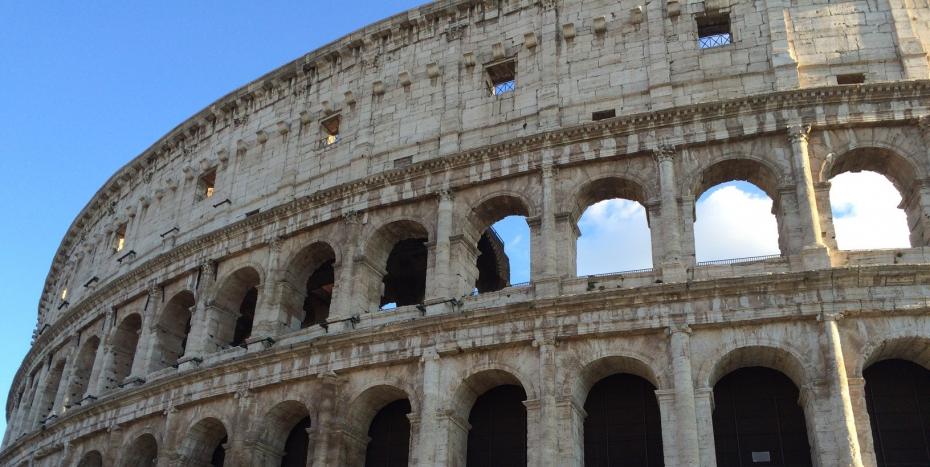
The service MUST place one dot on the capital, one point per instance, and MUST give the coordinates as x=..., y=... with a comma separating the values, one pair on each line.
x=276, y=243
x=445, y=194
x=798, y=133
x=923, y=123
x=675, y=328
x=664, y=153
x=353, y=217
x=549, y=170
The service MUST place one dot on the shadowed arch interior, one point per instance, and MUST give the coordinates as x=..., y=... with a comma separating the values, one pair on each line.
x=238, y=296
x=52, y=381
x=757, y=420
x=143, y=452
x=123, y=350
x=311, y=275
x=389, y=436
x=400, y=247
x=83, y=366
x=91, y=459
x=285, y=431
x=623, y=426
x=498, y=428
x=172, y=330
x=898, y=401
x=204, y=442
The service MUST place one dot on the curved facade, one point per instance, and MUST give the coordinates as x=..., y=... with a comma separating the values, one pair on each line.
x=221, y=298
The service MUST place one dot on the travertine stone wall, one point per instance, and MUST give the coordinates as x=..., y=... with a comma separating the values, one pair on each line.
x=425, y=151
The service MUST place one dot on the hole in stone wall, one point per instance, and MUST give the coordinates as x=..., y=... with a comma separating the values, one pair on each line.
x=502, y=77
x=714, y=30
x=850, y=78
x=206, y=185
x=330, y=128
x=119, y=238
x=603, y=114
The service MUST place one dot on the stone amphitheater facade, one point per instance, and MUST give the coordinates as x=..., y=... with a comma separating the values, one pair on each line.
x=219, y=298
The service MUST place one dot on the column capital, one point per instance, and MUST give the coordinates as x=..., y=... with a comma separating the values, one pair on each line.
x=664, y=153
x=825, y=316
x=675, y=328
x=798, y=133
x=923, y=123
x=353, y=217
x=445, y=194
x=276, y=243
x=549, y=170
x=429, y=355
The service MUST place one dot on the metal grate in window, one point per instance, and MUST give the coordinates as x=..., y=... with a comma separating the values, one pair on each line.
x=715, y=40
x=505, y=87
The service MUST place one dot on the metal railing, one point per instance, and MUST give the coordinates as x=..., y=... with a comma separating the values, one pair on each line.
x=747, y=259
x=629, y=271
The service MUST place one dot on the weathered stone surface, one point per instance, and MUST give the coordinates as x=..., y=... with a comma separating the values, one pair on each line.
x=392, y=134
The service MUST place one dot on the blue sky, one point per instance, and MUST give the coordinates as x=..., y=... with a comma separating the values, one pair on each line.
x=87, y=86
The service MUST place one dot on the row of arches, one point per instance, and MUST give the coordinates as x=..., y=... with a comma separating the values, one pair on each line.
x=757, y=420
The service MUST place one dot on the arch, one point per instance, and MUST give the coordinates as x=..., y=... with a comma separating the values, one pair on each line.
x=142, y=452
x=397, y=253
x=172, y=330
x=237, y=295
x=50, y=391
x=123, y=346
x=905, y=347
x=367, y=403
x=284, y=431
x=204, y=442
x=389, y=436
x=492, y=268
x=745, y=168
x=623, y=425
x=311, y=276
x=896, y=395
x=597, y=189
x=484, y=378
x=498, y=434
x=762, y=354
x=757, y=418
x=875, y=157
x=82, y=372
x=600, y=368
x=91, y=459
x=495, y=206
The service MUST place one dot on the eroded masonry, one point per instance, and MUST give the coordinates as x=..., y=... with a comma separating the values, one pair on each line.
x=304, y=274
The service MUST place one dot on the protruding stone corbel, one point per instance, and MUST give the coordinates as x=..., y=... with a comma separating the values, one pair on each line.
x=568, y=31
x=468, y=59
x=349, y=98
x=600, y=25
x=636, y=14
x=327, y=107
x=673, y=8
x=305, y=117
x=241, y=146
x=222, y=155
x=188, y=172
x=377, y=88
x=283, y=127
x=432, y=70
x=403, y=78
x=497, y=51
x=529, y=40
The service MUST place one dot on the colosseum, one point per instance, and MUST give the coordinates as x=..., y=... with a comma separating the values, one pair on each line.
x=303, y=272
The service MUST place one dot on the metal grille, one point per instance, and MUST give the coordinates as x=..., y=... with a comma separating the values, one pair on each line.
x=505, y=87
x=715, y=40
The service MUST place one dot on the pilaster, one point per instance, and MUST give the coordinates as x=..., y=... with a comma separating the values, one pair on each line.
x=814, y=254
x=847, y=442
x=686, y=432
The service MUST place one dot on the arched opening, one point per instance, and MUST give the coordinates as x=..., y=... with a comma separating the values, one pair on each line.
x=123, y=350
x=389, y=436
x=866, y=190
x=237, y=300
x=284, y=437
x=757, y=420
x=401, y=248
x=143, y=452
x=49, y=392
x=614, y=227
x=501, y=235
x=498, y=428
x=83, y=367
x=737, y=212
x=898, y=401
x=319, y=294
x=623, y=427
x=310, y=278
x=205, y=443
x=297, y=444
x=172, y=331
x=91, y=459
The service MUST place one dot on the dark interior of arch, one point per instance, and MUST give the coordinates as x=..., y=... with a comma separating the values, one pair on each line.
x=246, y=316
x=82, y=369
x=319, y=294
x=493, y=263
x=219, y=453
x=898, y=401
x=756, y=415
x=405, y=280
x=143, y=453
x=174, y=328
x=124, y=349
x=498, y=428
x=390, y=436
x=91, y=459
x=51, y=388
x=623, y=426
x=295, y=448
x=746, y=170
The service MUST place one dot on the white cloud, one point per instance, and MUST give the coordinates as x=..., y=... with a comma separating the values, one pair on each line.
x=614, y=237
x=735, y=221
x=865, y=213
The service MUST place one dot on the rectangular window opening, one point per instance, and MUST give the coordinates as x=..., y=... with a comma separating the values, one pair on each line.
x=330, y=130
x=603, y=114
x=850, y=78
x=119, y=240
x=207, y=184
x=714, y=30
x=502, y=77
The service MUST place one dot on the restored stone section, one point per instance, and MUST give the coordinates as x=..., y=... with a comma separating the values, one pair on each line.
x=221, y=296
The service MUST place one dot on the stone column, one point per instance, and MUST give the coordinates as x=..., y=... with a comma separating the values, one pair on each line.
x=668, y=418
x=686, y=433
x=328, y=436
x=270, y=319
x=669, y=224
x=35, y=409
x=198, y=337
x=567, y=239
x=438, y=285
x=67, y=376
x=547, y=282
x=431, y=441
x=704, y=413
x=814, y=254
x=827, y=231
x=239, y=452
x=659, y=67
x=863, y=421
x=847, y=442
x=98, y=379
x=687, y=212
x=148, y=335
x=345, y=302
x=543, y=425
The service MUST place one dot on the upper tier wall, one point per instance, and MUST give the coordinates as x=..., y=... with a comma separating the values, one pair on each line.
x=414, y=88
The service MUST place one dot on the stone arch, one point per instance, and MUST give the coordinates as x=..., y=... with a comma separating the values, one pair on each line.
x=484, y=378
x=172, y=330
x=496, y=205
x=760, y=172
x=600, y=368
x=202, y=441
x=776, y=357
x=364, y=411
x=488, y=266
x=50, y=391
x=82, y=371
x=599, y=188
x=470, y=404
x=396, y=259
x=91, y=459
x=142, y=452
x=123, y=345
x=276, y=428
x=912, y=348
x=309, y=281
x=237, y=296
